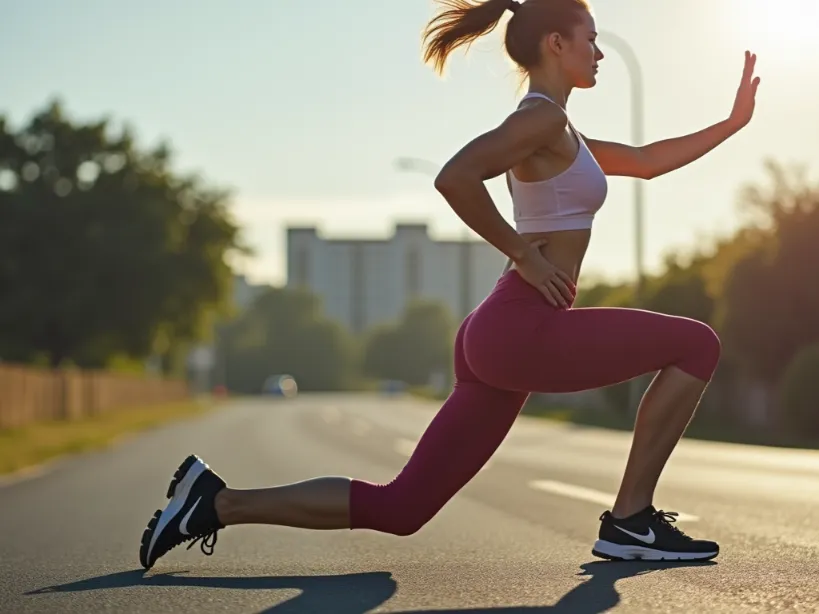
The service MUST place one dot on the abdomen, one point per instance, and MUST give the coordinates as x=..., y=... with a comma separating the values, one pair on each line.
x=565, y=249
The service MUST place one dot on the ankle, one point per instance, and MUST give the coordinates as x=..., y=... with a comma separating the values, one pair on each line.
x=225, y=504
x=627, y=509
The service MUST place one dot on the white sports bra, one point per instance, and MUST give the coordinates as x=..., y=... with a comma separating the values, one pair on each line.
x=567, y=201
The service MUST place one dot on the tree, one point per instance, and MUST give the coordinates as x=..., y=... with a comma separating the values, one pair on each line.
x=769, y=306
x=104, y=250
x=799, y=394
x=285, y=331
x=414, y=348
x=681, y=290
x=604, y=294
x=384, y=353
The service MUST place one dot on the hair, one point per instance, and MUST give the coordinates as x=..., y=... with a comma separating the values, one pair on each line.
x=462, y=22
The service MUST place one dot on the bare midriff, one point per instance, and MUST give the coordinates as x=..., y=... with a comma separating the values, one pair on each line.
x=565, y=249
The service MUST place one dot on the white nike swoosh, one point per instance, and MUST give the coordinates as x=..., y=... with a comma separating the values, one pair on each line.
x=183, y=526
x=648, y=538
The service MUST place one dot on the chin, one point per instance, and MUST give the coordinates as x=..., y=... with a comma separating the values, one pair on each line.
x=585, y=84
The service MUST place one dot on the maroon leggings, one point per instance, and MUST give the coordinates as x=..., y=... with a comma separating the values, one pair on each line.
x=512, y=344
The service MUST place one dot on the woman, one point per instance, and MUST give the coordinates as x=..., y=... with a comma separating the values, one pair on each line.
x=525, y=337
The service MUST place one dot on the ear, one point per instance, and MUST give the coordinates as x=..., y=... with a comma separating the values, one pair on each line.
x=555, y=43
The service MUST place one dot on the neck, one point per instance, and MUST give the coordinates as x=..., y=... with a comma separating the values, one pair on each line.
x=552, y=86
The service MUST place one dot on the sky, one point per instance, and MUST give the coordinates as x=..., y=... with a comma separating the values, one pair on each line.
x=302, y=107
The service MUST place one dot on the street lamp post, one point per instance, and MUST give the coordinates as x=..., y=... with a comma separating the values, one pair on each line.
x=629, y=56
x=626, y=51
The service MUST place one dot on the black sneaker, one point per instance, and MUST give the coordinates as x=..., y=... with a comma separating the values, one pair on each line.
x=190, y=514
x=649, y=536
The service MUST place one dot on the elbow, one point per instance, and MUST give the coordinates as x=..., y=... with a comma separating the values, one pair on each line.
x=443, y=182
x=645, y=165
x=657, y=171
x=648, y=173
x=448, y=181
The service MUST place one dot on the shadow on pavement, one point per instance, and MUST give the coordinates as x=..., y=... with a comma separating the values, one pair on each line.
x=594, y=596
x=360, y=593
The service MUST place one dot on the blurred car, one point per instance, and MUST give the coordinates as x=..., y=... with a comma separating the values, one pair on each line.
x=392, y=387
x=282, y=385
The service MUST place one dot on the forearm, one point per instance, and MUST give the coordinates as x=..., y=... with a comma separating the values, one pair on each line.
x=470, y=200
x=670, y=154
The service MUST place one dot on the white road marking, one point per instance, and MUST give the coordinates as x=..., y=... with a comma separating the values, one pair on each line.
x=588, y=494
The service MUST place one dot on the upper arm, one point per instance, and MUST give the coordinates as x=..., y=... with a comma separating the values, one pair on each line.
x=619, y=158
x=519, y=136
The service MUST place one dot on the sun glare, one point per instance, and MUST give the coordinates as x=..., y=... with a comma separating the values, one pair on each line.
x=779, y=28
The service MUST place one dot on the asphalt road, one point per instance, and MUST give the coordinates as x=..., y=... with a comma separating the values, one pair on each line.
x=517, y=539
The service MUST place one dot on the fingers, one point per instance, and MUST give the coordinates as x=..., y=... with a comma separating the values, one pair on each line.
x=547, y=293
x=750, y=63
x=554, y=293
x=566, y=284
x=564, y=289
x=559, y=288
x=557, y=292
x=566, y=278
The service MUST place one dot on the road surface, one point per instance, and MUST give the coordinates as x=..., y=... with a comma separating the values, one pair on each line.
x=516, y=539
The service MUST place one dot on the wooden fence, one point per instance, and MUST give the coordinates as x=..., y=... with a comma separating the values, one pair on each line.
x=31, y=395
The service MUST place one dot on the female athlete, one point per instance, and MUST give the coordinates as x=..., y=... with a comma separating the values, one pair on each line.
x=525, y=336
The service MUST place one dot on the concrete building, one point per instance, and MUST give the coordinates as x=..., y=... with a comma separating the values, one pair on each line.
x=364, y=282
x=244, y=292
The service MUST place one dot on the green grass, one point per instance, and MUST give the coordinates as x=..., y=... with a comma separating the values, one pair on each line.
x=34, y=444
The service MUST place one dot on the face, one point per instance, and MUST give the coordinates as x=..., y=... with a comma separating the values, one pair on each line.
x=578, y=56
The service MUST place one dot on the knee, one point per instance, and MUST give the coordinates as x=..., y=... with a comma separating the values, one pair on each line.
x=402, y=519
x=406, y=525
x=402, y=511
x=706, y=349
x=389, y=508
x=710, y=343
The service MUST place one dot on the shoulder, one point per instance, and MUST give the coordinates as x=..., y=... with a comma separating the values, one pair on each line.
x=537, y=120
x=525, y=131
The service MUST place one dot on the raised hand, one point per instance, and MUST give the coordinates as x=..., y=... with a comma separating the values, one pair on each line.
x=745, y=101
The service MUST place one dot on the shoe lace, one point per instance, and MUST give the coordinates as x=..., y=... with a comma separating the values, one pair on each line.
x=208, y=541
x=666, y=518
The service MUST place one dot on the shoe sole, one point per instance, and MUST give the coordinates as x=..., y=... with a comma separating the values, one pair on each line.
x=178, y=491
x=620, y=552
